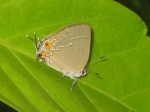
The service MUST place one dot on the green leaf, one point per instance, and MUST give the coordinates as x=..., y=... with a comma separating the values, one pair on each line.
x=117, y=33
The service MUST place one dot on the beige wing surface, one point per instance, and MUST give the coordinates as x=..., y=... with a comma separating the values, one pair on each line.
x=70, y=48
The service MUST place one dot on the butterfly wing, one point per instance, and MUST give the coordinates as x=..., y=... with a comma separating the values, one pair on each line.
x=70, y=48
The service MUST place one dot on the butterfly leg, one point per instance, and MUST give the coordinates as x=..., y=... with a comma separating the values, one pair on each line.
x=60, y=78
x=74, y=82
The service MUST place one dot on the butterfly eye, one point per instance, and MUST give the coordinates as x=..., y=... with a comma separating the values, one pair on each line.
x=48, y=45
x=42, y=54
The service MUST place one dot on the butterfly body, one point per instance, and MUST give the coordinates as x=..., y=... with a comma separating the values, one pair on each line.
x=66, y=50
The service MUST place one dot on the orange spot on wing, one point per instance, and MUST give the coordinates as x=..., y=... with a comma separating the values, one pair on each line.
x=43, y=54
x=48, y=45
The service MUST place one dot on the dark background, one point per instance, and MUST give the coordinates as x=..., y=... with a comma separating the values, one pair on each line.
x=140, y=7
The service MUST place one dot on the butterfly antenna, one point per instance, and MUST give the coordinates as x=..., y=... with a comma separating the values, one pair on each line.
x=103, y=58
x=95, y=73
